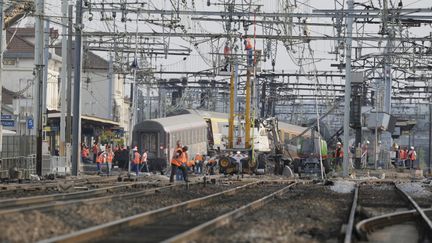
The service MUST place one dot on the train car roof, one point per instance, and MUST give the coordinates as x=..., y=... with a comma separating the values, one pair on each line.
x=210, y=114
x=296, y=130
x=172, y=123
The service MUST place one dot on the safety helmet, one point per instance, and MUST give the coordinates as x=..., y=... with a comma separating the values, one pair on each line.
x=338, y=143
x=412, y=147
x=238, y=152
x=135, y=148
x=367, y=142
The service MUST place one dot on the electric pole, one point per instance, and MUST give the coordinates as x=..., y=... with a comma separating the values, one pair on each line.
x=348, y=77
x=63, y=78
x=2, y=36
x=39, y=67
x=76, y=126
x=69, y=76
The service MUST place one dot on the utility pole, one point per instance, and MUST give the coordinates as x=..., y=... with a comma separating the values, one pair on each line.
x=39, y=46
x=2, y=36
x=232, y=111
x=76, y=126
x=348, y=77
x=430, y=131
x=110, y=88
x=63, y=78
x=69, y=76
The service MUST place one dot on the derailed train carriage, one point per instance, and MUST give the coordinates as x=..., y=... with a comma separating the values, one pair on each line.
x=204, y=132
x=159, y=137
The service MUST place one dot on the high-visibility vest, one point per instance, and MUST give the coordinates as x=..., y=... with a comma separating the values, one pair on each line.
x=178, y=161
x=137, y=158
x=403, y=154
x=412, y=155
x=248, y=44
x=341, y=153
x=110, y=156
x=99, y=159
x=190, y=163
x=185, y=157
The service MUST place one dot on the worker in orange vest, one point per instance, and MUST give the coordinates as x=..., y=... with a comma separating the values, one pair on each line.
x=249, y=51
x=99, y=161
x=403, y=155
x=339, y=154
x=179, y=161
x=144, y=161
x=412, y=156
x=136, y=160
x=109, y=156
x=95, y=150
x=199, y=163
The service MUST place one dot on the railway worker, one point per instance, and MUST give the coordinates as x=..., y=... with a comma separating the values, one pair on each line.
x=84, y=154
x=198, y=163
x=95, y=150
x=403, y=156
x=178, y=161
x=99, y=161
x=211, y=164
x=249, y=50
x=144, y=161
x=109, y=156
x=412, y=156
x=136, y=160
x=238, y=157
x=339, y=154
x=227, y=53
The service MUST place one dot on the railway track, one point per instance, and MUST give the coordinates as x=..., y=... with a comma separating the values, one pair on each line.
x=376, y=207
x=53, y=187
x=183, y=221
x=25, y=202
x=75, y=215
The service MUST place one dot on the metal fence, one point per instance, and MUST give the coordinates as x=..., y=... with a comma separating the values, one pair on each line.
x=57, y=165
x=20, y=167
x=18, y=146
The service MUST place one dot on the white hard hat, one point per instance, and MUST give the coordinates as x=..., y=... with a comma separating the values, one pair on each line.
x=367, y=141
x=379, y=141
x=338, y=143
x=135, y=148
x=238, y=152
x=412, y=147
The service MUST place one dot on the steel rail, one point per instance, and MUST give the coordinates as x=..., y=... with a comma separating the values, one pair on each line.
x=350, y=226
x=368, y=225
x=226, y=218
x=6, y=188
x=419, y=210
x=56, y=205
x=96, y=232
x=34, y=200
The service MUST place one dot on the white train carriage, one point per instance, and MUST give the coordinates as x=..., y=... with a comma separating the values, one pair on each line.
x=159, y=137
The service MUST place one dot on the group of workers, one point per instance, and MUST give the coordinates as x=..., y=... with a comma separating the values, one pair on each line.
x=139, y=161
x=404, y=157
x=180, y=163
